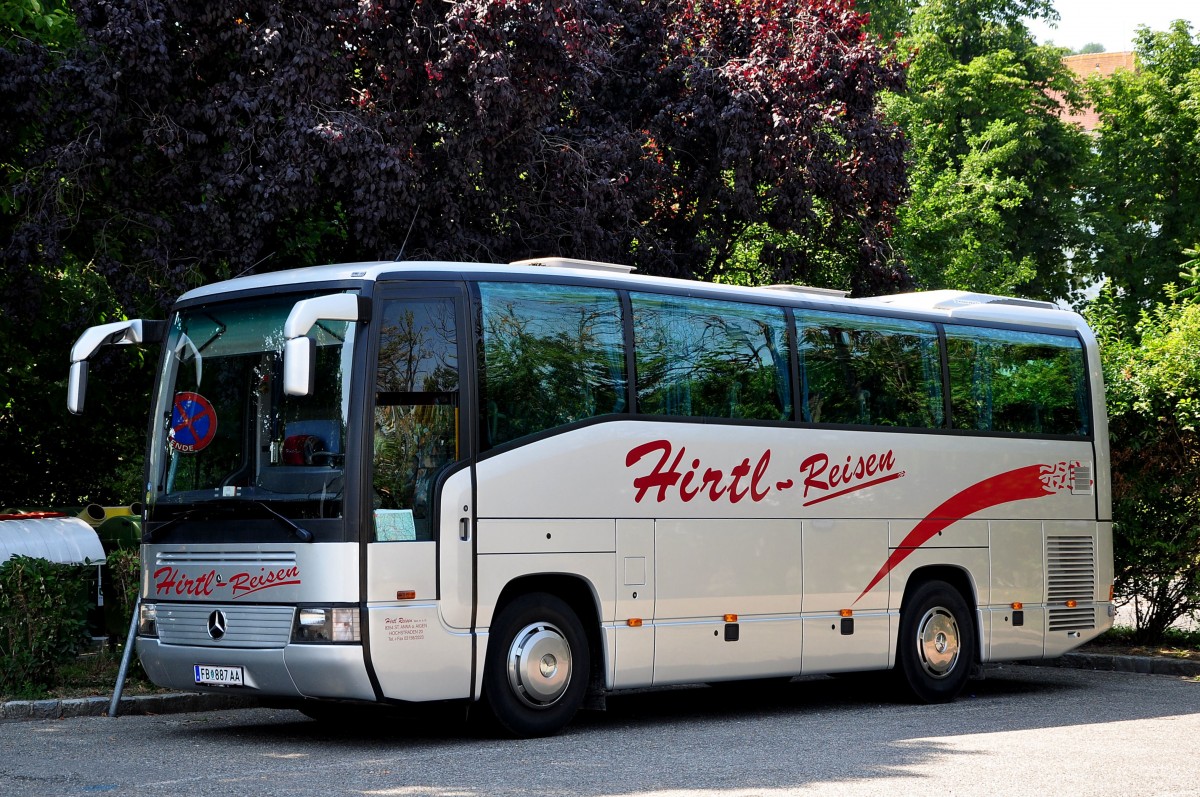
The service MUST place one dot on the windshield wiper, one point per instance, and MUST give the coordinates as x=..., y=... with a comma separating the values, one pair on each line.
x=188, y=514
x=304, y=535
x=148, y=534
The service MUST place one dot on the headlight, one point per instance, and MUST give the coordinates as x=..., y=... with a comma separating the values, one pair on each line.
x=322, y=624
x=148, y=620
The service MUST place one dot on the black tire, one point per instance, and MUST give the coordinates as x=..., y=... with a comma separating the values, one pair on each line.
x=936, y=647
x=537, y=667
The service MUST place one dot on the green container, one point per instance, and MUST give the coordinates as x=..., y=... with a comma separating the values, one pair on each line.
x=121, y=532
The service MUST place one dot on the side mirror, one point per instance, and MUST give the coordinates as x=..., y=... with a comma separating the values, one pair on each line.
x=77, y=387
x=298, y=355
x=300, y=350
x=118, y=333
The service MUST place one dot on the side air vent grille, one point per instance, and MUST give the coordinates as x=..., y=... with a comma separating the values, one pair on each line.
x=1077, y=619
x=226, y=558
x=1071, y=585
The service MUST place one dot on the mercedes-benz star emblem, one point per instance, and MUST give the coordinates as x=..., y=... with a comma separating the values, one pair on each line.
x=217, y=623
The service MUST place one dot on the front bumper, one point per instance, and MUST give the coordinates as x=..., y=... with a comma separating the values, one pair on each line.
x=309, y=671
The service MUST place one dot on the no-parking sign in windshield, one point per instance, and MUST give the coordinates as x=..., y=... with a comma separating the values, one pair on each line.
x=193, y=423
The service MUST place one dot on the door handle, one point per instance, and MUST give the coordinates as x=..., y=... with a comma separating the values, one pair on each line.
x=464, y=529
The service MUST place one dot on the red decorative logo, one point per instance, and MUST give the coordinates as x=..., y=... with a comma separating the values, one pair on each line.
x=172, y=581
x=245, y=583
x=688, y=479
x=690, y=483
x=1031, y=481
x=852, y=475
x=823, y=478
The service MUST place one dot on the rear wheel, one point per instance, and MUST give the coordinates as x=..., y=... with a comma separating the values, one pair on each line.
x=937, y=643
x=538, y=666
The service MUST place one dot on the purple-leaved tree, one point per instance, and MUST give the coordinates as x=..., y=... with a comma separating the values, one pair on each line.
x=169, y=143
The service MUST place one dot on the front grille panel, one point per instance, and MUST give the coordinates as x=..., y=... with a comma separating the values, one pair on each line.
x=246, y=626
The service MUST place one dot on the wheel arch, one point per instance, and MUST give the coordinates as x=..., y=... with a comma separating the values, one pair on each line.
x=957, y=577
x=579, y=593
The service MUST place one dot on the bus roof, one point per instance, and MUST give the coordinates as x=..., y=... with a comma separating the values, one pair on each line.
x=947, y=305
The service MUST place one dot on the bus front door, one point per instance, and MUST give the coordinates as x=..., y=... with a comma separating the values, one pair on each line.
x=419, y=582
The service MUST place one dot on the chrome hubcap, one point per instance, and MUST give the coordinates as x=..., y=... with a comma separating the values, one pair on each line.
x=938, y=642
x=539, y=665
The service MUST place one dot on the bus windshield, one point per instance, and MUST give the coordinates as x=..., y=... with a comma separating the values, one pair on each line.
x=225, y=432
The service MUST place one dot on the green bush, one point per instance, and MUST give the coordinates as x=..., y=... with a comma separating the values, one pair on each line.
x=1152, y=377
x=120, y=590
x=43, y=621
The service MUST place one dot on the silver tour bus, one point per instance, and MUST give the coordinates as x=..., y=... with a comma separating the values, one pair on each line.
x=521, y=487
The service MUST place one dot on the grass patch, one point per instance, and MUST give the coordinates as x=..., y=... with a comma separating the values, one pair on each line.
x=1119, y=640
x=91, y=674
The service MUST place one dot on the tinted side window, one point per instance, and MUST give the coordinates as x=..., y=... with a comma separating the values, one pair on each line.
x=416, y=414
x=552, y=354
x=1025, y=382
x=706, y=358
x=859, y=369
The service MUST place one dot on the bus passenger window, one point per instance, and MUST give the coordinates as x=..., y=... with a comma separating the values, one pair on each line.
x=711, y=359
x=416, y=415
x=552, y=355
x=1017, y=382
x=868, y=371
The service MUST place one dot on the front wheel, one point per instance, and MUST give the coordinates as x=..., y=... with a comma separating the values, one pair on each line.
x=538, y=665
x=937, y=643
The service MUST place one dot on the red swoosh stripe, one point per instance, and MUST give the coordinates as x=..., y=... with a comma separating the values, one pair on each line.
x=1014, y=485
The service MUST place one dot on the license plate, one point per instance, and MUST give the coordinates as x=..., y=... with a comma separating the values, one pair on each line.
x=218, y=676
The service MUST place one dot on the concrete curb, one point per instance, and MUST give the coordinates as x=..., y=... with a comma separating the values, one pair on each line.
x=189, y=701
x=142, y=704
x=1145, y=665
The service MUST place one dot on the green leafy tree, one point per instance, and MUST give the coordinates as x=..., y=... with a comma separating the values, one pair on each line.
x=45, y=22
x=1145, y=206
x=993, y=170
x=52, y=458
x=1190, y=274
x=888, y=18
x=1152, y=373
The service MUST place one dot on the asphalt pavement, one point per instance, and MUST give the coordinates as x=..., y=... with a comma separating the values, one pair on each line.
x=1021, y=732
x=189, y=701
